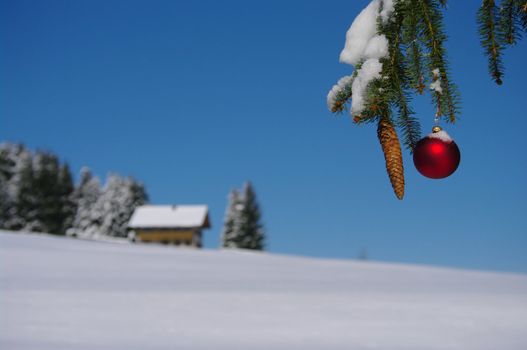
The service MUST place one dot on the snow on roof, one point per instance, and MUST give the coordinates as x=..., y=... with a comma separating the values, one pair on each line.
x=170, y=216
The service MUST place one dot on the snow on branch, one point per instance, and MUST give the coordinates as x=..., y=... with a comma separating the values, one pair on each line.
x=436, y=83
x=340, y=94
x=364, y=48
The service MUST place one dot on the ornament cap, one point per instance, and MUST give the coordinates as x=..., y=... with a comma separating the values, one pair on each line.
x=436, y=128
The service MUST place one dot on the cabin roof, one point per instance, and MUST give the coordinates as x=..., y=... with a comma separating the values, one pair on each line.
x=170, y=216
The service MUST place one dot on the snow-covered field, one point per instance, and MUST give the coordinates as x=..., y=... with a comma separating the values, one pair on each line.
x=60, y=293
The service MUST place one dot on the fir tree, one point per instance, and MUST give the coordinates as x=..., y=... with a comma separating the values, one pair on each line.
x=67, y=202
x=242, y=226
x=86, y=221
x=4, y=200
x=26, y=204
x=231, y=220
x=47, y=191
x=139, y=196
x=251, y=227
x=5, y=165
x=117, y=203
x=14, y=158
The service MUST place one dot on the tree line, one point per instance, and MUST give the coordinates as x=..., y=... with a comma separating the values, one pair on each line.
x=38, y=194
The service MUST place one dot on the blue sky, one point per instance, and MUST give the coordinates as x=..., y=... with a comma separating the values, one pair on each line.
x=194, y=98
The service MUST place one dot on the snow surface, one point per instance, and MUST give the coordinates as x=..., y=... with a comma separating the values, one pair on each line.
x=62, y=293
x=151, y=216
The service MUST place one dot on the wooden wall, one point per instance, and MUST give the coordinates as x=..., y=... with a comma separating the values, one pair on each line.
x=184, y=237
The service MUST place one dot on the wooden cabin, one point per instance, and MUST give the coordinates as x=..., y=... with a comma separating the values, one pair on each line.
x=169, y=224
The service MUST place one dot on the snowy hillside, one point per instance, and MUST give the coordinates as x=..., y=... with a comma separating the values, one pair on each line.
x=60, y=293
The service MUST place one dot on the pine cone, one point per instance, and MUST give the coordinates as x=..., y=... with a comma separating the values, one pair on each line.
x=392, y=154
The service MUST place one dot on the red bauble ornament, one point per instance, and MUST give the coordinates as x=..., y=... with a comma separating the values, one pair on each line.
x=436, y=155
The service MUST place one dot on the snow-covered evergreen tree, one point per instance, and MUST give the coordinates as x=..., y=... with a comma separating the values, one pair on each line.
x=37, y=194
x=4, y=180
x=4, y=198
x=14, y=158
x=30, y=186
x=139, y=196
x=251, y=226
x=68, y=206
x=26, y=203
x=47, y=192
x=86, y=221
x=117, y=203
x=231, y=221
x=243, y=227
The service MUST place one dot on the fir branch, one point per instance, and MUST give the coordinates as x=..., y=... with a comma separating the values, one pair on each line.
x=433, y=38
x=488, y=17
x=341, y=99
x=410, y=126
x=411, y=38
x=339, y=95
x=397, y=83
x=509, y=23
x=521, y=8
x=377, y=103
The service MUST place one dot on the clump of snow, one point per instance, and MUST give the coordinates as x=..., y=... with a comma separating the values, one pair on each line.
x=387, y=10
x=436, y=84
x=370, y=70
x=364, y=45
x=363, y=28
x=442, y=135
x=377, y=47
x=332, y=94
